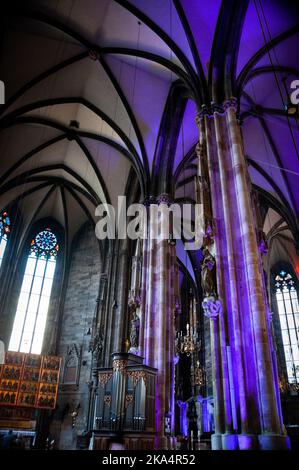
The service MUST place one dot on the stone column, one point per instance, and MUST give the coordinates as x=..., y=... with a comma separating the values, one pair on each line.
x=159, y=314
x=242, y=330
x=271, y=436
x=96, y=347
x=212, y=310
x=143, y=296
x=213, y=226
x=183, y=418
x=150, y=302
x=119, y=307
x=226, y=178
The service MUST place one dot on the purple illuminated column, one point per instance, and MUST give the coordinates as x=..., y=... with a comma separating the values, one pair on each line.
x=183, y=418
x=212, y=310
x=228, y=204
x=159, y=315
x=271, y=436
x=143, y=296
x=210, y=176
x=247, y=410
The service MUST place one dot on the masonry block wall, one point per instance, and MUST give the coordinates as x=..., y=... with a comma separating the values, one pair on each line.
x=79, y=307
x=11, y=301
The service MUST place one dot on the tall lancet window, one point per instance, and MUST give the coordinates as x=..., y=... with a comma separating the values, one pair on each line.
x=288, y=309
x=30, y=320
x=4, y=232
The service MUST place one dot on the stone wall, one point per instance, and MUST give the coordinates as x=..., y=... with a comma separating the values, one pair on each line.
x=80, y=300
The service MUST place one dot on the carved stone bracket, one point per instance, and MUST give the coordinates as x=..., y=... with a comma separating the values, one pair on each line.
x=212, y=307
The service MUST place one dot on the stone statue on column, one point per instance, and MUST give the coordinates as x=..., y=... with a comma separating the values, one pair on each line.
x=208, y=274
x=134, y=300
x=96, y=347
x=134, y=333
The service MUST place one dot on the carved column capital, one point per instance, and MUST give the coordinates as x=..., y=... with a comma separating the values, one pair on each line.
x=164, y=199
x=231, y=103
x=205, y=111
x=149, y=200
x=212, y=307
x=217, y=108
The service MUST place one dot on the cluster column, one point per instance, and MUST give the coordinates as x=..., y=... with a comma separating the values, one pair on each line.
x=247, y=411
x=158, y=314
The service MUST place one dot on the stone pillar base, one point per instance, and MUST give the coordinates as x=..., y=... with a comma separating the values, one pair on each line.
x=248, y=441
x=161, y=443
x=171, y=442
x=230, y=442
x=274, y=442
x=216, y=441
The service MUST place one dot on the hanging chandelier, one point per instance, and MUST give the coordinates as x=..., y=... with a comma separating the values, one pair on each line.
x=186, y=344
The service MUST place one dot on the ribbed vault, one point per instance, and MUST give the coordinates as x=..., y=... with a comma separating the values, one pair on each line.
x=93, y=94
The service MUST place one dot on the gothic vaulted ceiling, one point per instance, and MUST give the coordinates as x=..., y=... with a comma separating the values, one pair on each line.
x=87, y=83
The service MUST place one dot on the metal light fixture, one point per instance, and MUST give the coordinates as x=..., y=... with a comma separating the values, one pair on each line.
x=198, y=374
x=186, y=344
x=291, y=109
x=74, y=415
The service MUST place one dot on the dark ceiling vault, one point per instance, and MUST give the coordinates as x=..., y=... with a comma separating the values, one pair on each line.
x=133, y=91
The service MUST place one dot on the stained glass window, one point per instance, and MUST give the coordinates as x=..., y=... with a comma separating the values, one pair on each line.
x=30, y=320
x=4, y=232
x=288, y=309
